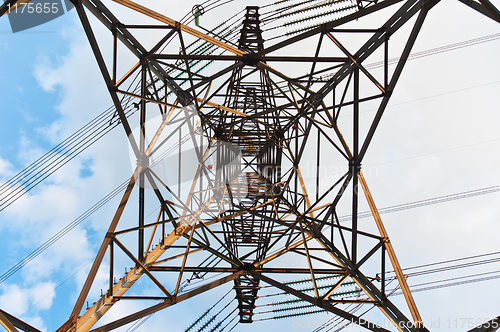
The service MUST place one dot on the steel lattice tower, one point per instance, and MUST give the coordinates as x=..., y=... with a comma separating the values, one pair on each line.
x=250, y=211
x=248, y=235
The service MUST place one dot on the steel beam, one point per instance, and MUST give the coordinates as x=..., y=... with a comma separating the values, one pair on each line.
x=397, y=72
x=264, y=131
x=104, y=15
x=6, y=323
x=387, y=307
x=162, y=18
x=489, y=10
x=102, y=250
x=143, y=313
x=11, y=322
x=391, y=252
x=322, y=304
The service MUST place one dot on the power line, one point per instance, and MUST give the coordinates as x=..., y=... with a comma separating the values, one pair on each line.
x=60, y=155
x=449, y=261
x=426, y=202
x=421, y=287
x=441, y=49
x=63, y=232
x=120, y=188
x=98, y=127
x=81, y=218
x=83, y=138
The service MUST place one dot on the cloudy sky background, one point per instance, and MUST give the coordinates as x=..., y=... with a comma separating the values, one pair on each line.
x=439, y=136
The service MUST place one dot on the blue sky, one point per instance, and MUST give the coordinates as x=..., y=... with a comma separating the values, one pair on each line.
x=27, y=108
x=50, y=86
x=19, y=88
x=32, y=123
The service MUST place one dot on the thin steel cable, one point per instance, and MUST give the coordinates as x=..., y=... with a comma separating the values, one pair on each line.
x=71, y=276
x=426, y=202
x=454, y=267
x=43, y=167
x=20, y=190
x=433, y=51
x=79, y=219
x=62, y=232
x=60, y=155
x=223, y=320
x=431, y=271
x=455, y=278
x=449, y=261
x=232, y=319
x=425, y=53
x=139, y=323
x=414, y=289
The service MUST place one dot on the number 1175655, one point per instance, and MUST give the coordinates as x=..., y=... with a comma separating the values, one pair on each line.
x=31, y=8
x=471, y=322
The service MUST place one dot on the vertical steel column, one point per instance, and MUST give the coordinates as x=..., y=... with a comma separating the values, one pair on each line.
x=382, y=280
x=355, y=167
x=102, y=250
x=115, y=55
x=111, y=267
x=179, y=166
x=317, y=164
x=246, y=230
x=143, y=162
x=386, y=61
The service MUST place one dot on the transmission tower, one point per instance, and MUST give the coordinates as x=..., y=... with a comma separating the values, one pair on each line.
x=254, y=205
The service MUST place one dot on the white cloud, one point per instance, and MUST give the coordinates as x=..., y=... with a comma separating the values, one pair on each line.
x=43, y=295
x=47, y=78
x=407, y=131
x=6, y=170
x=56, y=202
x=18, y=301
x=29, y=151
x=14, y=299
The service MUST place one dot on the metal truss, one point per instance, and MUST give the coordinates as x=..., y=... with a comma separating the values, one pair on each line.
x=255, y=206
